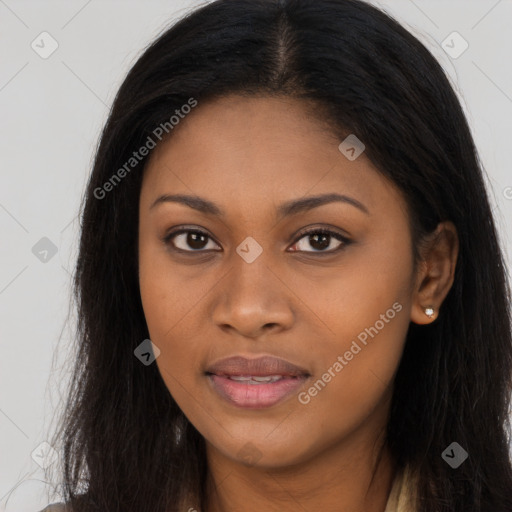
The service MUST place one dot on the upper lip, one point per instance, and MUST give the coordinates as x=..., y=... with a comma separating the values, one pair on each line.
x=259, y=367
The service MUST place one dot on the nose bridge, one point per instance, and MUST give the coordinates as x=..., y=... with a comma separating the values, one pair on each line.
x=251, y=296
x=250, y=279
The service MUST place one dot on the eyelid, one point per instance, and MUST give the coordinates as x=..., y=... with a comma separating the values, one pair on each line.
x=302, y=233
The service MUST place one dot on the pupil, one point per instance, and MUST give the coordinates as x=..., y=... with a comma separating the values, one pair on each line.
x=193, y=240
x=323, y=244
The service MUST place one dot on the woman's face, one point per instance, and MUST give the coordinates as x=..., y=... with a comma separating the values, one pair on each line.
x=251, y=283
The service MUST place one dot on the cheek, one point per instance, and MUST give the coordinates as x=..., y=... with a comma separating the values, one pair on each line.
x=166, y=292
x=356, y=295
x=366, y=308
x=354, y=378
x=164, y=309
x=170, y=330
x=170, y=298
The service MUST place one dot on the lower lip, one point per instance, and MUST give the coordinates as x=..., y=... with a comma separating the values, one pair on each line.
x=255, y=396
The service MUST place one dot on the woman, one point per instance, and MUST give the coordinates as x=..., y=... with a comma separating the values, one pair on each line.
x=290, y=288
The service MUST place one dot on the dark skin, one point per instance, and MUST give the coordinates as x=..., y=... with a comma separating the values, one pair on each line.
x=248, y=156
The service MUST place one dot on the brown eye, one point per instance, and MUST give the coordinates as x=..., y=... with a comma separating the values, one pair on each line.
x=189, y=240
x=319, y=240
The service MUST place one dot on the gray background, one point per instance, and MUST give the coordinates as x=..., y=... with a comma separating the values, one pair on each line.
x=52, y=111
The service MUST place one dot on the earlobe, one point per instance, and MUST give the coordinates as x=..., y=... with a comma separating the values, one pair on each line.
x=436, y=273
x=425, y=315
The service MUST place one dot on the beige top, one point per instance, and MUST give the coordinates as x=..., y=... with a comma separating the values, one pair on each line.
x=400, y=497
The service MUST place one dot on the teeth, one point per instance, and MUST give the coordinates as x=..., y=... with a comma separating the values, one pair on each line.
x=256, y=380
x=268, y=378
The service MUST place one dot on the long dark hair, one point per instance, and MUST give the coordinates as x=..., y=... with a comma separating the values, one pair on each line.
x=126, y=444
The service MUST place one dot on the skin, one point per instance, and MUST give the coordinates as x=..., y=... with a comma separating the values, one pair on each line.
x=249, y=155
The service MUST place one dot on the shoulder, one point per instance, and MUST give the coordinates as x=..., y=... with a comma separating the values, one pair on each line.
x=56, y=507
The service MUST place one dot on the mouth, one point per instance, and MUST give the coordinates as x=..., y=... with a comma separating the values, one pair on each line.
x=253, y=393
x=255, y=383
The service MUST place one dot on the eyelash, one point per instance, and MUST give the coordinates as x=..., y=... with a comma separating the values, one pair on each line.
x=167, y=239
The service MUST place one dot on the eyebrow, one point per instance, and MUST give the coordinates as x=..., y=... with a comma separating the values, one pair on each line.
x=287, y=209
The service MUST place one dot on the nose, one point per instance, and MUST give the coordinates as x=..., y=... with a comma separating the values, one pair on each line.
x=252, y=300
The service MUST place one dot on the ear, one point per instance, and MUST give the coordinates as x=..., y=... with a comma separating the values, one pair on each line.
x=436, y=272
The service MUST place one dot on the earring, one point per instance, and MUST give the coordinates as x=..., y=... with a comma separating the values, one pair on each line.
x=429, y=311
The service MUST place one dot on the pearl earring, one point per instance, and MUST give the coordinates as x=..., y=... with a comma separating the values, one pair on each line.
x=429, y=311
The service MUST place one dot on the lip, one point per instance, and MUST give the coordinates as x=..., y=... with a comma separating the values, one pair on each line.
x=260, y=367
x=249, y=394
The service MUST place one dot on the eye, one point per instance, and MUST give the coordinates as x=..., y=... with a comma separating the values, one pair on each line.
x=320, y=239
x=196, y=240
x=188, y=240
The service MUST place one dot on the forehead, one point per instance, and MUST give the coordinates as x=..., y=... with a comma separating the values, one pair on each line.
x=261, y=149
